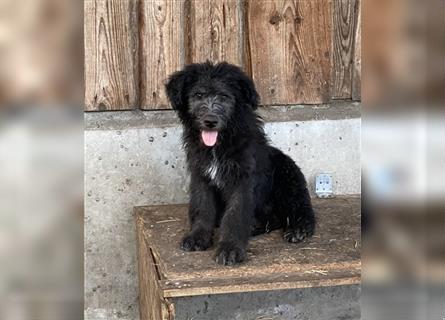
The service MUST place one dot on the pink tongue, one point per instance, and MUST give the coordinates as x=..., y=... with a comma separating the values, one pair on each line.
x=209, y=137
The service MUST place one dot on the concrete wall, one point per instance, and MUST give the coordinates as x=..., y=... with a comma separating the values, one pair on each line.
x=323, y=303
x=136, y=158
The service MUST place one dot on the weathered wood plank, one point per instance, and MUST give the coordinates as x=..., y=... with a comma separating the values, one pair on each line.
x=357, y=73
x=111, y=54
x=152, y=305
x=319, y=278
x=344, y=17
x=215, y=31
x=162, y=48
x=290, y=49
x=331, y=257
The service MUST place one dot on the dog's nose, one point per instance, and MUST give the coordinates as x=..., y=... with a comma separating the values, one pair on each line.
x=210, y=123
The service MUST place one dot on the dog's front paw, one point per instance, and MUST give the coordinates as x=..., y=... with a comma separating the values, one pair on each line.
x=229, y=254
x=197, y=241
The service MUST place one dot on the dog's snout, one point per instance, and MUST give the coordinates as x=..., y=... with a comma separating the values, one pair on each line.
x=210, y=123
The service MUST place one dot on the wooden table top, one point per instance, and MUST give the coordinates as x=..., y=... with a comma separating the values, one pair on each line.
x=330, y=257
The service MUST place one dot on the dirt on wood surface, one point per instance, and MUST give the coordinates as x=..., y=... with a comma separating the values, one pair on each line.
x=330, y=257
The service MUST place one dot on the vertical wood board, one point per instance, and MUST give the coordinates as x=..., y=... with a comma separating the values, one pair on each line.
x=290, y=49
x=162, y=48
x=111, y=54
x=344, y=33
x=214, y=31
x=357, y=71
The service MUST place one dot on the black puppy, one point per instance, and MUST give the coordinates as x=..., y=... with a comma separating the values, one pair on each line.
x=238, y=181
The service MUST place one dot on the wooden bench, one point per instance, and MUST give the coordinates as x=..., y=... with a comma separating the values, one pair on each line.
x=168, y=275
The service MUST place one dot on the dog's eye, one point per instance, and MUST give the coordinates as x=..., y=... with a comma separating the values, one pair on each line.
x=198, y=95
x=224, y=96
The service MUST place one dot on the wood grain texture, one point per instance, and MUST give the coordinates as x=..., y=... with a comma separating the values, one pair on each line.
x=214, y=31
x=331, y=257
x=320, y=278
x=357, y=71
x=344, y=17
x=152, y=305
x=290, y=49
x=111, y=54
x=162, y=48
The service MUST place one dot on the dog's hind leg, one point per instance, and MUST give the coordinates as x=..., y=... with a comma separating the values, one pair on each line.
x=265, y=221
x=291, y=199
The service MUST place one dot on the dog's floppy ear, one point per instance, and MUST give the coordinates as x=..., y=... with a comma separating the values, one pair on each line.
x=248, y=91
x=175, y=90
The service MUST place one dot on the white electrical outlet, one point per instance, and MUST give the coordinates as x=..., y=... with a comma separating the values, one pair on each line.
x=323, y=185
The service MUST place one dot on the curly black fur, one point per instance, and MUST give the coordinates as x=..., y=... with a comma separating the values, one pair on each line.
x=239, y=182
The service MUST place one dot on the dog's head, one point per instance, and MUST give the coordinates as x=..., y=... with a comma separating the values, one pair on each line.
x=207, y=97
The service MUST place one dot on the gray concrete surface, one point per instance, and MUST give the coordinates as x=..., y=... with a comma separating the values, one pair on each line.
x=136, y=158
x=330, y=303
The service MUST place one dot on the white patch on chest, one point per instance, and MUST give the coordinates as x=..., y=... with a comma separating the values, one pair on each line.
x=212, y=170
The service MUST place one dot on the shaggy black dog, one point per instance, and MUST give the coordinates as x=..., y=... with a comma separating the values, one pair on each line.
x=238, y=181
